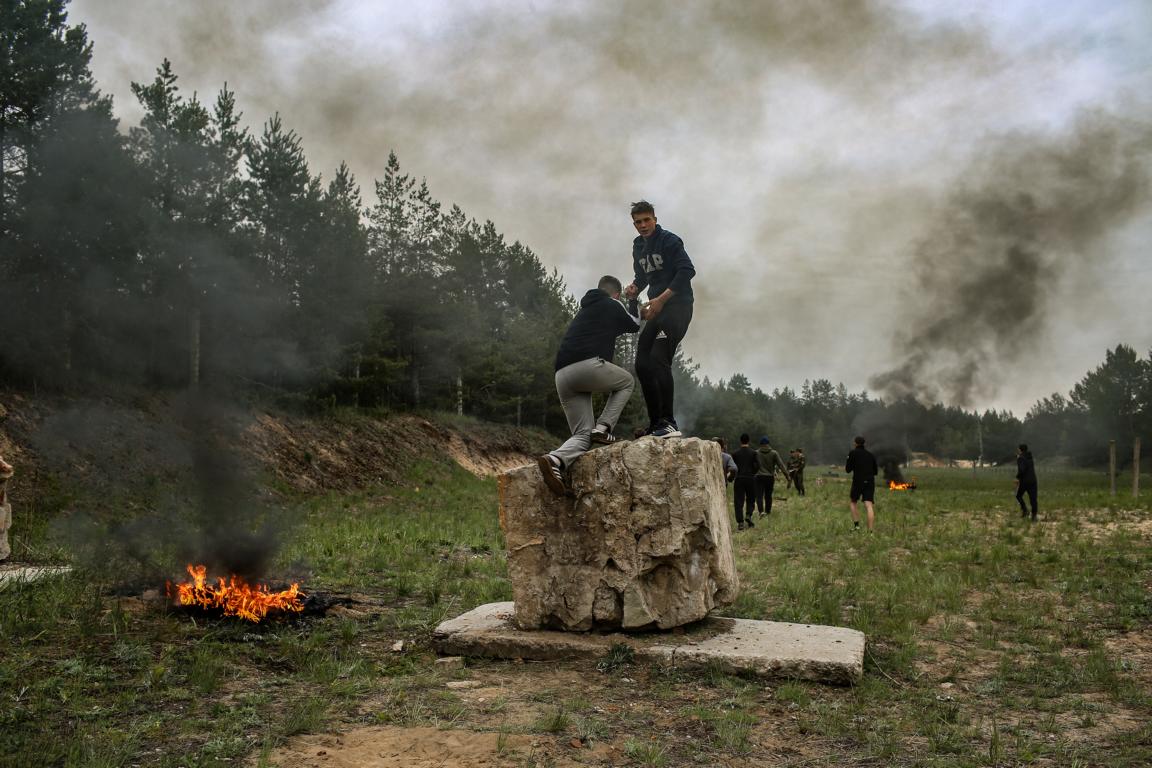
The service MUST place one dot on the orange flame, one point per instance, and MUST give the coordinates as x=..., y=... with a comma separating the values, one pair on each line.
x=234, y=597
x=895, y=486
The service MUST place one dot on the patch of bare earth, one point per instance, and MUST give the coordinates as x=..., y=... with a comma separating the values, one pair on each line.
x=1128, y=521
x=423, y=747
x=507, y=718
x=1134, y=652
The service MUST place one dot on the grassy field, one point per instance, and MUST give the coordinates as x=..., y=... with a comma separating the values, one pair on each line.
x=991, y=642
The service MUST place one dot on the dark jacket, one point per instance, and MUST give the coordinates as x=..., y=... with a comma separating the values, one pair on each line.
x=593, y=332
x=660, y=262
x=769, y=461
x=1026, y=469
x=747, y=461
x=862, y=464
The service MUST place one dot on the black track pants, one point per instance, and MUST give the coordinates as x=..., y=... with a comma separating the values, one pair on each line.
x=655, y=350
x=744, y=490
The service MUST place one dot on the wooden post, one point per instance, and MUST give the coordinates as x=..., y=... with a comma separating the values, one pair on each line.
x=1136, y=468
x=1112, y=466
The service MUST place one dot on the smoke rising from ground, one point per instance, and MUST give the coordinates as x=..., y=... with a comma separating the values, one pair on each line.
x=176, y=467
x=1030, y=212
x=798, y=148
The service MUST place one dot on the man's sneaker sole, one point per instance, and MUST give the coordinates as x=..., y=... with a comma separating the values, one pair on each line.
x=663, y=433
x=552, y=477
x=603, y=438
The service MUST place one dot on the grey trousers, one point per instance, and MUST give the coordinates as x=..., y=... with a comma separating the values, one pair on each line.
x=576, y=384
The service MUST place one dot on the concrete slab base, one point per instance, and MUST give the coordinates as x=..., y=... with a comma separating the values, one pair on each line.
x=766, y=648
x=10, y=573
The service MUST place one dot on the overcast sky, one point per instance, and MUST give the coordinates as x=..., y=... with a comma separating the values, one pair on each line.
x=950, y=199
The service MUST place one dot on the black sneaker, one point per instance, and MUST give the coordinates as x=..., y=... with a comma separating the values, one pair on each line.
x=749, y=523
x=667, y=429
x=740, y=527
x=603, y=436
x=550, y=469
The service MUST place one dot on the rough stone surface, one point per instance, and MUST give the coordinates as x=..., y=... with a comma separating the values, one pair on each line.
x=5, y=524
x=769, y=649
x=5, y=509
x=12, y=574
x=643, y=542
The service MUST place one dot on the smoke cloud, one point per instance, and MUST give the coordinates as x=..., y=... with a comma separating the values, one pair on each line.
x=798, y=148
x=1029, y=214
x=177, y=468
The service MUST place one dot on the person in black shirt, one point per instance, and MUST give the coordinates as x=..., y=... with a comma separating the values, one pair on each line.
x=584, y=366
x=744, y=487
x=1025, y=480
x=862, y=464
x=660, y=264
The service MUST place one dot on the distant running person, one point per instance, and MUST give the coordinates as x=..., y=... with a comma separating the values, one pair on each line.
x=1026, y=480
x=862, y=464
x=744, y=488
x=661, y=265
x=770, y=461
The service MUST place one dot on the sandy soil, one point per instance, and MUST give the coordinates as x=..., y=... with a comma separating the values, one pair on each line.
x=425, y=747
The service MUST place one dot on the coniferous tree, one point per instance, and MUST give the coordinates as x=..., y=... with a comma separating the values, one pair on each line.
x=68, y=210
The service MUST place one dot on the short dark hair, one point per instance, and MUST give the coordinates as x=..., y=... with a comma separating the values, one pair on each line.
x=643, y=206
x=610, y=284
x=720, y=441
x=744, y=439
x=859, y=440
x=1023, y=447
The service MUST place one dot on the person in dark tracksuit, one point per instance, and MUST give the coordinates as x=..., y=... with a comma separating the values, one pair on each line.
x=770, y=461
x=862, y=464
x=744, y=487
x=796, y=464
x=583, y=367
x=661, y=265
x=1025, y=480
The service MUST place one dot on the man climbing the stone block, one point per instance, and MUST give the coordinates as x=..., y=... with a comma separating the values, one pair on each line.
x=660, y=264
x=584, y=367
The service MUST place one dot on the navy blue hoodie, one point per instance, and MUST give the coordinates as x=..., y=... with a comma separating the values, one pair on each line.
x=660, y=262
x=593, y=332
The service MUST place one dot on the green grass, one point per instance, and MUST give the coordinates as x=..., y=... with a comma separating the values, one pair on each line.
x=991, y=641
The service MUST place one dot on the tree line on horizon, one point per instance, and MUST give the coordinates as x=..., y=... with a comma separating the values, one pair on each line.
x=190, y=252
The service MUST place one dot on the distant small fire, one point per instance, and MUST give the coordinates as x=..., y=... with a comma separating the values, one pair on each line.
x=234, y=596
x=895, y=486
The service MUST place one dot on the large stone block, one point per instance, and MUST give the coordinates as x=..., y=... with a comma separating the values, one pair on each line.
x=643, y=543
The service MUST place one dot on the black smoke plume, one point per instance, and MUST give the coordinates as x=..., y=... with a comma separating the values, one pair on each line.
x=1031, y=214
x=158, y=487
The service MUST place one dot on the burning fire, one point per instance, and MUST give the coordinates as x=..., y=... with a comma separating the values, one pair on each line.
x=895, y=486
x=234, y=596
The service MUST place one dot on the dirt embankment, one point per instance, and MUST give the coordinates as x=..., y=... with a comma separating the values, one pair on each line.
x=106, y=445
x=349, y=453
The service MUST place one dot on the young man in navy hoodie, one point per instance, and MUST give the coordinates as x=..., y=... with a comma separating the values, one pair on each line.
x=662, y=266
x=584, y=366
